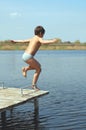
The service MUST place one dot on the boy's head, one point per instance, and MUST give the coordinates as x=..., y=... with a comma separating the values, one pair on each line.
x=39, y=30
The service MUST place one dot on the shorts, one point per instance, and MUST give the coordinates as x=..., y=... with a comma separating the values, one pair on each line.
x=26, y=56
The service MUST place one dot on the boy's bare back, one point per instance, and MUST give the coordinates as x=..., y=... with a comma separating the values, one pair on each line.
x=33, y=46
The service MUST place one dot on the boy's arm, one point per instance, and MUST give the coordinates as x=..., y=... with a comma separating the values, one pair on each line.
x=21, y=41
x=48, y=41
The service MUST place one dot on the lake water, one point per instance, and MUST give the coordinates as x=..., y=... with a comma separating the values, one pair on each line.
x=63, y=75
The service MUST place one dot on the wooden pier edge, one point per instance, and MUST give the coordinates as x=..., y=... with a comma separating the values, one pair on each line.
x=12, y=97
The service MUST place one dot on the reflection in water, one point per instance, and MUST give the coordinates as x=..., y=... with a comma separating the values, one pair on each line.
x=3, y=120
x=35, y=121
x=36, y=114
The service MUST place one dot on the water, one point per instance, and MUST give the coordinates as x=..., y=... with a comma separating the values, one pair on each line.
x=63, y=75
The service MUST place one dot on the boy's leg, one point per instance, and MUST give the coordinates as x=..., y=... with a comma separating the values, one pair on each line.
x=34, y=64
x=25, y=69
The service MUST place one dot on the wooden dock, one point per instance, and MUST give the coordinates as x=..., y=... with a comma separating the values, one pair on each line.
x=11, y=97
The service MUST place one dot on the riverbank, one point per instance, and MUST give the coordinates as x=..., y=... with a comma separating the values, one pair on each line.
x=19, y=46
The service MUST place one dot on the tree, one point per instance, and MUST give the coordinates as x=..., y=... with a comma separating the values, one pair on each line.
x=77, y=42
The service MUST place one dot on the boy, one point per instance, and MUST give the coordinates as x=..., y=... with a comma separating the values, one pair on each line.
x=28, y=56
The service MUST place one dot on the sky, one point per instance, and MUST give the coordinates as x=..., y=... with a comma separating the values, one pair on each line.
x=64, y=19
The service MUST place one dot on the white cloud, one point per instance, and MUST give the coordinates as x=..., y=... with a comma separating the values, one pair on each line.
x=15, y=14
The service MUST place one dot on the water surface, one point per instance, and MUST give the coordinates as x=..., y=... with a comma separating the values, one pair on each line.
x=63, y=75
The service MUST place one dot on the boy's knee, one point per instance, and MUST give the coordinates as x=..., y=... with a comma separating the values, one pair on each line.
x=39, y=69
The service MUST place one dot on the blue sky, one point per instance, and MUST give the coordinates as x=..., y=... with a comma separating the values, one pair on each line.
x=64, y=19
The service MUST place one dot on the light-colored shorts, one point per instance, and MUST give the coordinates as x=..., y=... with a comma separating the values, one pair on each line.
x=26, y=56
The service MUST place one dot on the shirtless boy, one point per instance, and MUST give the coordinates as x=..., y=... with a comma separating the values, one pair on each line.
x=28, y=56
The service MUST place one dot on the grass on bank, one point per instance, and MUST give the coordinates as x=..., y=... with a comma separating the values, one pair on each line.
x=18, y=46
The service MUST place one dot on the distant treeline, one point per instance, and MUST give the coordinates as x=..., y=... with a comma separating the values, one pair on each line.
x=67, y=45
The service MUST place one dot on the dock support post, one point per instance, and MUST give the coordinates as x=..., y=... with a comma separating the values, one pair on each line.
x=3, y=119
x=36, y=113
x=36, y=105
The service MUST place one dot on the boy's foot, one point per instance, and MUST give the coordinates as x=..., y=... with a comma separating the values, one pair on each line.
x=24, y=72
x=35, y=87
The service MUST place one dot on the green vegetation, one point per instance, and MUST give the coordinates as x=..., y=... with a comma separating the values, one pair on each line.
x=77, y=45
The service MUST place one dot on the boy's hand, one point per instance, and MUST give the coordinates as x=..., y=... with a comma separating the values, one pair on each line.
x=56, y=40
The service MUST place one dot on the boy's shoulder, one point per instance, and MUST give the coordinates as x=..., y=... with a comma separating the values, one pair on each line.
x=37, y=38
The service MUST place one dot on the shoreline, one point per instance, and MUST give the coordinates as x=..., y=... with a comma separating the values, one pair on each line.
x=19, y=46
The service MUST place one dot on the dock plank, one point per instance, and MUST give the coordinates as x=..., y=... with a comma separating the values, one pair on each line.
x=10, y=97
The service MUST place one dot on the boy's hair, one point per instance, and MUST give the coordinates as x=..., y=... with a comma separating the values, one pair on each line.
x=38, y=30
